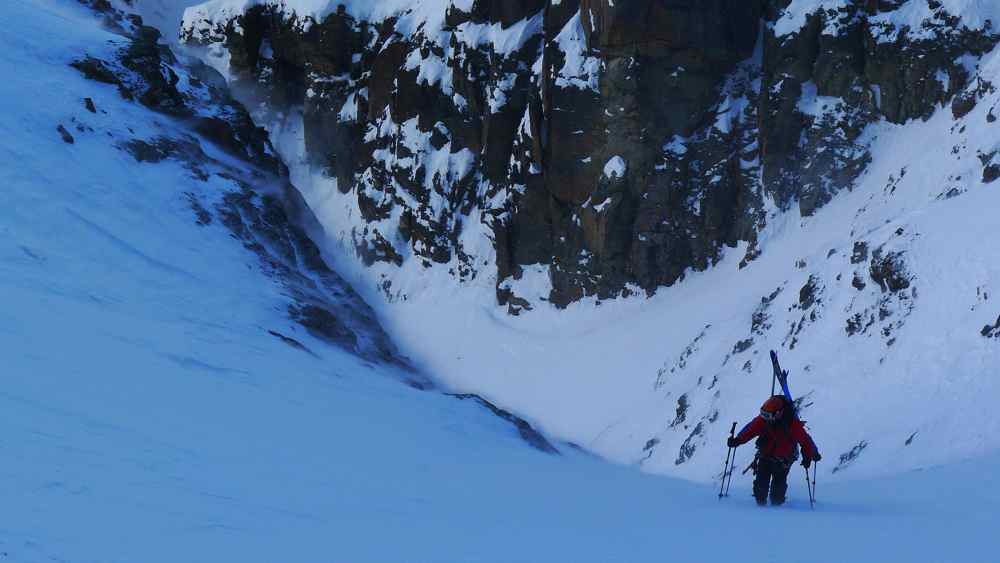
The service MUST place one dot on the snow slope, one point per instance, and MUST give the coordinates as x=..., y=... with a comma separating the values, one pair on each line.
x=147, y=415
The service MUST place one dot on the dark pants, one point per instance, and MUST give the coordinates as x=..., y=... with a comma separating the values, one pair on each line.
x=771, y=474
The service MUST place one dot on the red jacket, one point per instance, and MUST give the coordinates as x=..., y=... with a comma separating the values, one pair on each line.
x=779, y=440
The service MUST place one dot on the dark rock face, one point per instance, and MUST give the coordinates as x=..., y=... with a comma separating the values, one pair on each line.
x=65, y=135
x=991, y=331
x=618, y=143
x=889, y=271
x=846, y=459
x=147, y=72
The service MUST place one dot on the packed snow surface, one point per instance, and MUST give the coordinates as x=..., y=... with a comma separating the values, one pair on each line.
x=147, y=414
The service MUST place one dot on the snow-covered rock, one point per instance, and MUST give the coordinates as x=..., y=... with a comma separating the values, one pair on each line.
x=615, y=167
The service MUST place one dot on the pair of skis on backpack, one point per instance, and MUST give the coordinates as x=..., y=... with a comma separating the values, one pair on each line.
x=781, y=377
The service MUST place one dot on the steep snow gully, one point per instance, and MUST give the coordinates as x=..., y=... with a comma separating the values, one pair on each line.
x=172, y=390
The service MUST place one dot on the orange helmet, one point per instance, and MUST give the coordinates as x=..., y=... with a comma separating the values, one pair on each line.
x=773, y=408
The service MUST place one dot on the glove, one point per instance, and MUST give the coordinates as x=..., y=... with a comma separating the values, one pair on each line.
x=732, y=442
x=817, y=457
x=806, y=462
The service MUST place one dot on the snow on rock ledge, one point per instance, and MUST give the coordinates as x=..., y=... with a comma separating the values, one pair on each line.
x=615, y=167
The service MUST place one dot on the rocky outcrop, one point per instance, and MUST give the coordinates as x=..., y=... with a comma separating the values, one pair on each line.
x=617, y=144
x=260, y=208
x=527, y=433
x=991, y=331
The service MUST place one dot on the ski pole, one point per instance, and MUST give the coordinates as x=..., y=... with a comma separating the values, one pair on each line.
x=815, y=471
x=725, y=469
x=732, y=467
x=809, y=487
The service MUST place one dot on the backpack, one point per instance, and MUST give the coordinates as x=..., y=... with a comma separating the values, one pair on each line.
x=783, y=425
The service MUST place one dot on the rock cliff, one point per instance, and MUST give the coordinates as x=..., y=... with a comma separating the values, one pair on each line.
x=615, y=145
